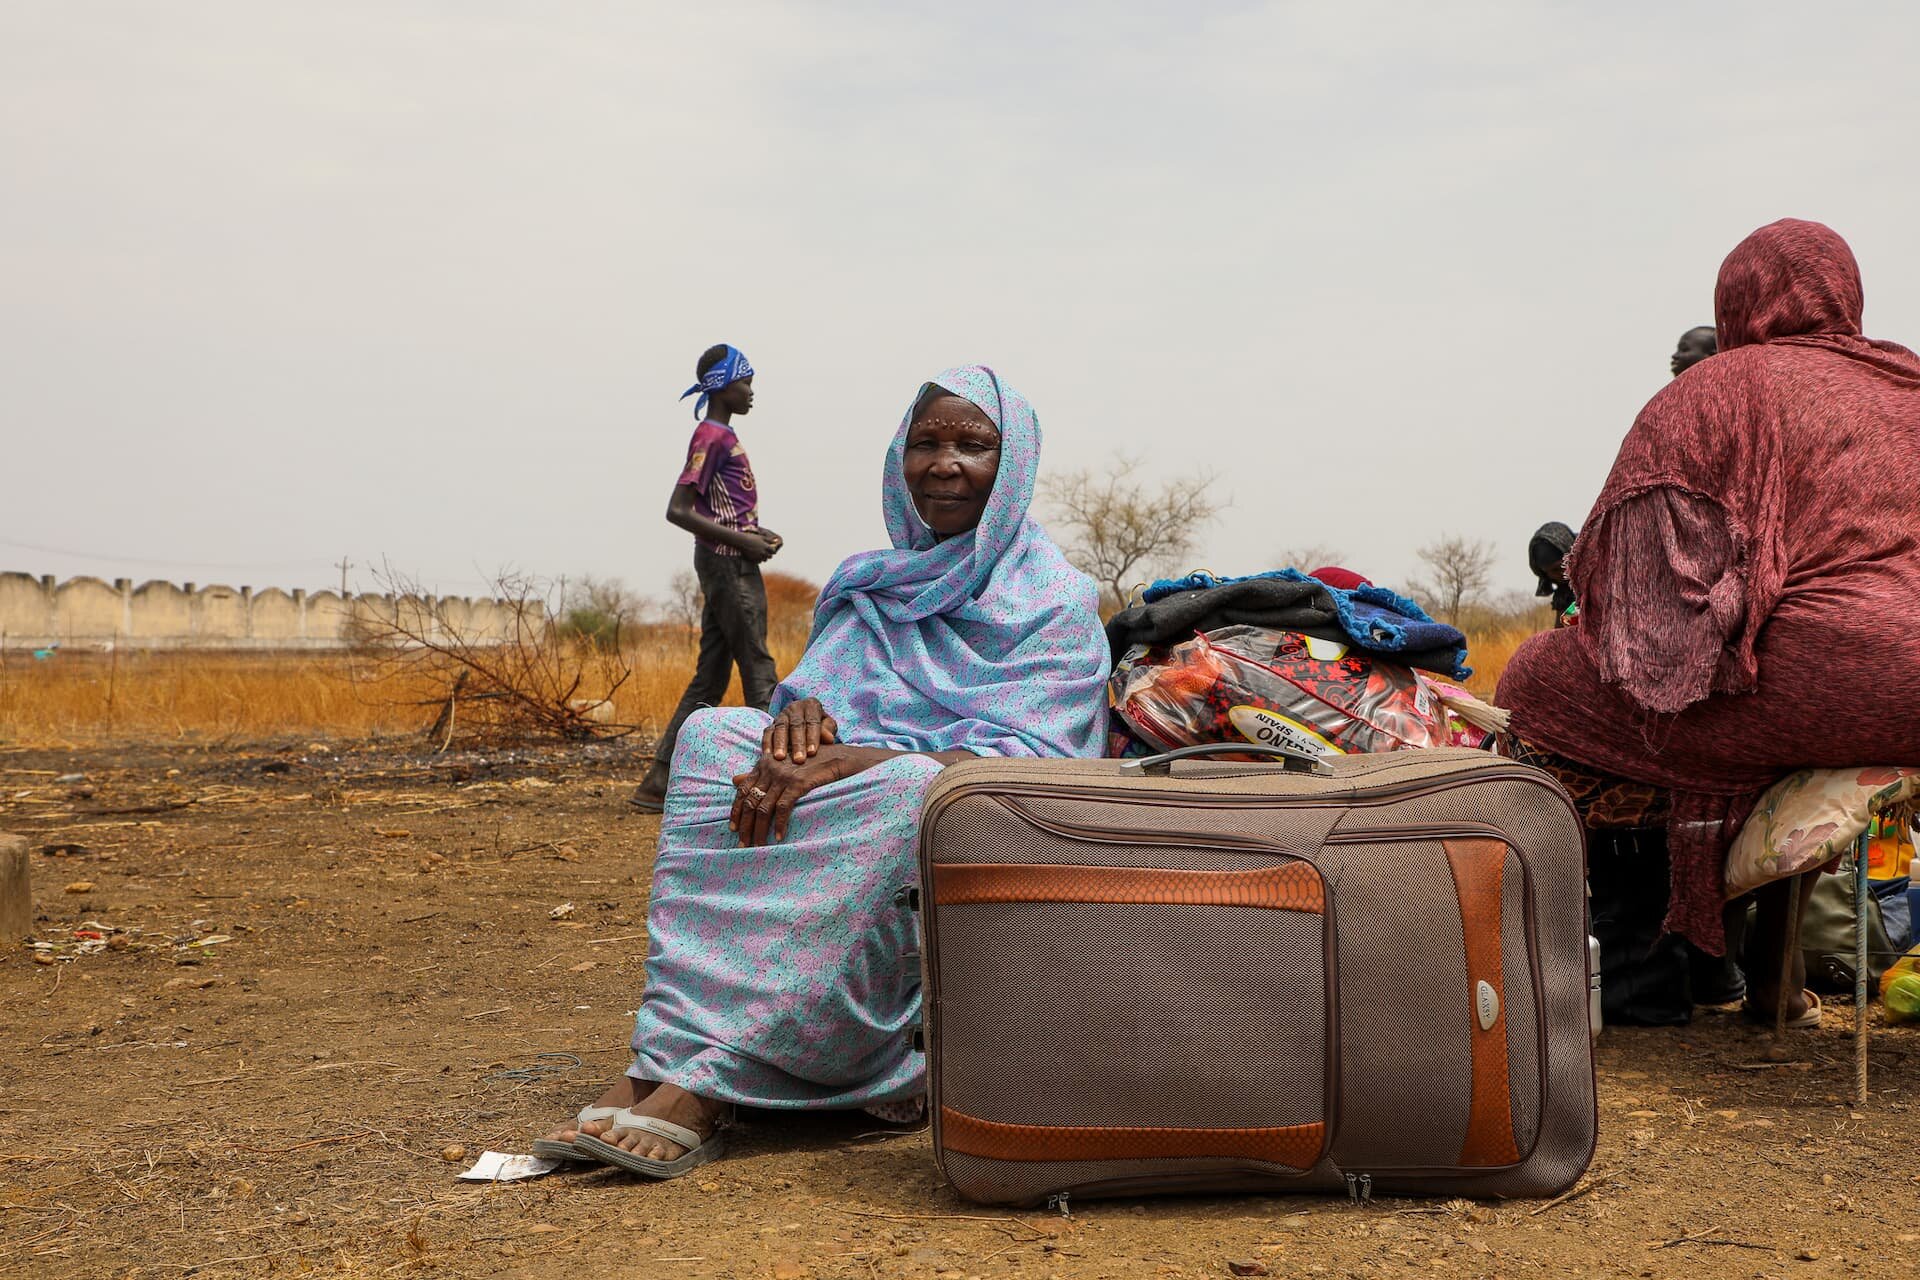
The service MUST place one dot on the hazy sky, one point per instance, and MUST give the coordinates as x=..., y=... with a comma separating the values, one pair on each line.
x=285, y=282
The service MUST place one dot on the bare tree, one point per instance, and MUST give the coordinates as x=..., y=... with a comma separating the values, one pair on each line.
x=598, y=610
x=1307, y=558
x=1459, y=571
x=531, y=681
x=685, y=601
x=1119, y=528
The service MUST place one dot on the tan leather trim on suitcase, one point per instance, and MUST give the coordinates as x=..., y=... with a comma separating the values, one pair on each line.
x=1478, y=869
x=1290, y=886
x=1295, y=1146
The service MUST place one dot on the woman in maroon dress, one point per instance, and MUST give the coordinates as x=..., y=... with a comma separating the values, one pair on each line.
x=1749, y=581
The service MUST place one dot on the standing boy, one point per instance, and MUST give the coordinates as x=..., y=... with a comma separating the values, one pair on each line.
x=716, y=501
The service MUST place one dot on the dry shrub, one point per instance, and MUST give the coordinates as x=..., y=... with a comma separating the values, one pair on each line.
x=790, y=601
x=539, y=679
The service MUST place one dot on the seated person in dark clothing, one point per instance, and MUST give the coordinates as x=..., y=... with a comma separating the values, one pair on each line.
x=1546, y=556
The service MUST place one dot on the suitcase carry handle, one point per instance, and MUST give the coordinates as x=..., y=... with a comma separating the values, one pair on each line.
x=1161, y=766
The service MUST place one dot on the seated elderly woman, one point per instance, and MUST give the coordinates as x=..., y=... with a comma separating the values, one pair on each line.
x=1748, y=583
x=782, y=966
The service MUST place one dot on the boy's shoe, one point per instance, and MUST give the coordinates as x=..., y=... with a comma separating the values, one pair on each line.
x=648, y=801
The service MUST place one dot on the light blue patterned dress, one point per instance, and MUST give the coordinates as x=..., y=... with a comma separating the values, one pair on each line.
x=787, y=976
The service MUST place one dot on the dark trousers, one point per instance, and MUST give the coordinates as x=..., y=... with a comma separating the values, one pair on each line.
x=733, y=632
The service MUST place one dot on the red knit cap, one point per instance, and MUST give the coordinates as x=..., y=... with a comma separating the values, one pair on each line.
x=1335, y=576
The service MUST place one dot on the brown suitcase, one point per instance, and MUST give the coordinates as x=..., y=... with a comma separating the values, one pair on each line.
x=1178, y=975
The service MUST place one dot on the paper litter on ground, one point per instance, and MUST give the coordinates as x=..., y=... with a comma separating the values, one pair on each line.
x=499, y=1166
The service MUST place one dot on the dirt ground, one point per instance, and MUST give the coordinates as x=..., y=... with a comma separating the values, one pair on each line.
x=302, y=976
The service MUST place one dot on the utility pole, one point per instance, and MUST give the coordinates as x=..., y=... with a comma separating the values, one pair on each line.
x=344, y=565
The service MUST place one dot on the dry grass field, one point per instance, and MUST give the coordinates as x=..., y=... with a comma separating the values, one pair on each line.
x=228, y=696
x=250, y=696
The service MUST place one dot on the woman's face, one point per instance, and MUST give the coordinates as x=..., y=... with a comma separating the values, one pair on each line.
x=952, y=457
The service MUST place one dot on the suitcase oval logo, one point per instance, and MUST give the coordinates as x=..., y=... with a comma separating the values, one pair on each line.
x=1271, y=729
x=1487, y=1003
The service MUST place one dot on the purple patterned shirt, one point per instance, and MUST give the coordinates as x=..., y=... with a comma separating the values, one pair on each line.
x=721, y=478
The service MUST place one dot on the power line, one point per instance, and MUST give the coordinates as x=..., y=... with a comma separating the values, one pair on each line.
x=117, y=559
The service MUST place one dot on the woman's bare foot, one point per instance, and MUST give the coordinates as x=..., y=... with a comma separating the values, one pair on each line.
x=624, y=1092
x=676, y=1106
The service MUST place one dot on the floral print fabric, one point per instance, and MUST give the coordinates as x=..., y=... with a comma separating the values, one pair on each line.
x=1809, y=818
x=786, y=976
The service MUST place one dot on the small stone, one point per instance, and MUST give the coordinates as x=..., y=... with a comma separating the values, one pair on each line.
x=1249, y=1268
x=1728, y=1115
x=453, y=1153
x=45, y=957
x=562, y=912
x=80, y=886
x=541, y=1229
x=585, y=966
x=787, y=1269
x=241, y=1189
x=1643, y=1115
x=1808, y=1255
x=709, y=1186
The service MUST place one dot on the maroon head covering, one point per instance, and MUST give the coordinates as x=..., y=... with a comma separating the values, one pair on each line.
x=1749, y=579
x=1789, y=279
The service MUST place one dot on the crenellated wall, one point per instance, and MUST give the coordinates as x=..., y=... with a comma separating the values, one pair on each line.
x=88, y=613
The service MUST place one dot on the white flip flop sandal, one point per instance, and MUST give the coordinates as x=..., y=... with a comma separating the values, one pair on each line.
x=550, y=1149
x=698, y=1150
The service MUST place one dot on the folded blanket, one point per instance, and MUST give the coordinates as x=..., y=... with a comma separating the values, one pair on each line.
x=1370, y=618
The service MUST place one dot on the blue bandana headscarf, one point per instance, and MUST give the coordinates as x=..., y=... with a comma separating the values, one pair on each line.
x=721, y=376
x=988, y=641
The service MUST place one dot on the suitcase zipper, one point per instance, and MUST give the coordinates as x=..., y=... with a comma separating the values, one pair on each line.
x=1153, y=798
x=1360, y=1188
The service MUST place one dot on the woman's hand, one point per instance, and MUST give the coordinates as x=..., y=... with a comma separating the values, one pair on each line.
x=765, y=797
x=799, y=731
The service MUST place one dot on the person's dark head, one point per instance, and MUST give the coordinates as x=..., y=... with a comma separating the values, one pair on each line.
x=733, y=399
x=951, y=458
x=1695, y=345
x=1547, y=555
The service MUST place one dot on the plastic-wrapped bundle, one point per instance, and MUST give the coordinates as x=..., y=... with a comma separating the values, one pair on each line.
x=1281, y=688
